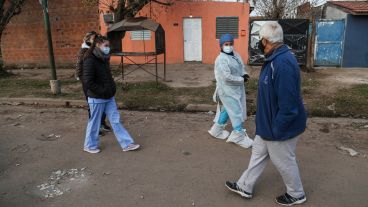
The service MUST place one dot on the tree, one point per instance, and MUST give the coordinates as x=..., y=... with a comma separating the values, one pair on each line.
x=8, y=9
x=126, y=8
x=278, y=9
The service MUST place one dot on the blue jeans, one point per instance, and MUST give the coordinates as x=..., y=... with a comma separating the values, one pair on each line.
x=224, y=117
x=107, y=106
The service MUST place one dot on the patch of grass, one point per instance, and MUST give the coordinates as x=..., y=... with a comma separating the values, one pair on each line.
x=13, y=87
x=146, y=95
x=309, y=83
x=10, y=87
x=149, y=95
x=251, y=86
x=345, y=102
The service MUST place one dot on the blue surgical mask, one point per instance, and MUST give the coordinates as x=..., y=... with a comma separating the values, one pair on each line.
x=106, y=50
x=228, y=49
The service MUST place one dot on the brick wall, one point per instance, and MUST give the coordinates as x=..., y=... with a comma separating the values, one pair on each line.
x=24, y=42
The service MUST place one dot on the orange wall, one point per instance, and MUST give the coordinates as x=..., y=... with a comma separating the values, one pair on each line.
x=207, y=11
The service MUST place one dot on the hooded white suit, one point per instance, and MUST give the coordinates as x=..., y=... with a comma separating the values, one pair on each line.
x=230, y=91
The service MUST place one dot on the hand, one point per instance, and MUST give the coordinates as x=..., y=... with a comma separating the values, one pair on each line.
x=246, y=77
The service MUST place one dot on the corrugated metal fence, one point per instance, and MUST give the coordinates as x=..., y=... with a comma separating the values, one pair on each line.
x=329, y=42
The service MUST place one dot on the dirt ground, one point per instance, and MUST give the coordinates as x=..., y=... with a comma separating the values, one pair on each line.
x=334, y=79
x=42, y=162
x=178, y=75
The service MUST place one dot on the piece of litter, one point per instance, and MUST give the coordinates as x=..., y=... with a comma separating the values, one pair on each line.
x=211, y=113
x=193, y=204
x=51, y=135
x=15, y=124
x=60, y=180
x=325, y=130
x=142, y=197
x=186, y=153
x=106, y=173
x=58, y=136
x=366, y=126
x=332, y=107
x=351, y=151
x=17, y=164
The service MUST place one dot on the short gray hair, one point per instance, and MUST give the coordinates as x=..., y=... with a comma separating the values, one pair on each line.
x=272, y=31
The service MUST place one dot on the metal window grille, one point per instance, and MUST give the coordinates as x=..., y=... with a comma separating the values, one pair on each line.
x=140, y=35
x=227, y=25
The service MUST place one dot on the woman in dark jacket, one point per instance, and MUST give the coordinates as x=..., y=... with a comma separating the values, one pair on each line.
x=87, y=43
x=100, y=88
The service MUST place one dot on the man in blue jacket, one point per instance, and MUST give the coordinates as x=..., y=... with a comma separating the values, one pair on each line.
x=280, y=119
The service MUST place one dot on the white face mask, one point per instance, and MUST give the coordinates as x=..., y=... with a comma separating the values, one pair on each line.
x=228, y=49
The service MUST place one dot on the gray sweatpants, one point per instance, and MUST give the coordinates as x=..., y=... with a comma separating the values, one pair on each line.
x=282, y=155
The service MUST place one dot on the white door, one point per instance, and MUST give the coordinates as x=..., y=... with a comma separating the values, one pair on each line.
x=192, y=39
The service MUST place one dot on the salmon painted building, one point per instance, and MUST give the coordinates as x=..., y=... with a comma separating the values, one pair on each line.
x=192, y=30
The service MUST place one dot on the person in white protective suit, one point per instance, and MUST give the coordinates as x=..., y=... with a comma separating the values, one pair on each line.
x=230, y=77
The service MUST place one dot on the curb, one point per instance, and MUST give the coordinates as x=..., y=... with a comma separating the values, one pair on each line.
x=200, y=108
x=82, y=103
x=42, y=102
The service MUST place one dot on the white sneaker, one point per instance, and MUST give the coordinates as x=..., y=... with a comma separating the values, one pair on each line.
x=131, y=147
x=240, y=138
x=218, y=131
x=92, y=151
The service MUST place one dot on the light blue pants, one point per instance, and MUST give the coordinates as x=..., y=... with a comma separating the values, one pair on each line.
x=224, y=117
x=94, y=123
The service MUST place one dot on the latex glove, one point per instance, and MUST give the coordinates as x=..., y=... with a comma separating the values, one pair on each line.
x=246, y=77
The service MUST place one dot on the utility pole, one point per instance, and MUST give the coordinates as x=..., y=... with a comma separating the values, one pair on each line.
x=54, y=82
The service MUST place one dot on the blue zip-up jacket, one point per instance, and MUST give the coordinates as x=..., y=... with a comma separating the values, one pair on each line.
x=280, y=109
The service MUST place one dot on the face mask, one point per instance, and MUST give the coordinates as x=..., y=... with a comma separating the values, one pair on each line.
x=106, y=50
x=228, y=49
x=261, y=46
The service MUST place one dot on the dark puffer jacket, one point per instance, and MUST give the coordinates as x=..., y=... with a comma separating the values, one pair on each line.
x=97, y=78
x=79, y=65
